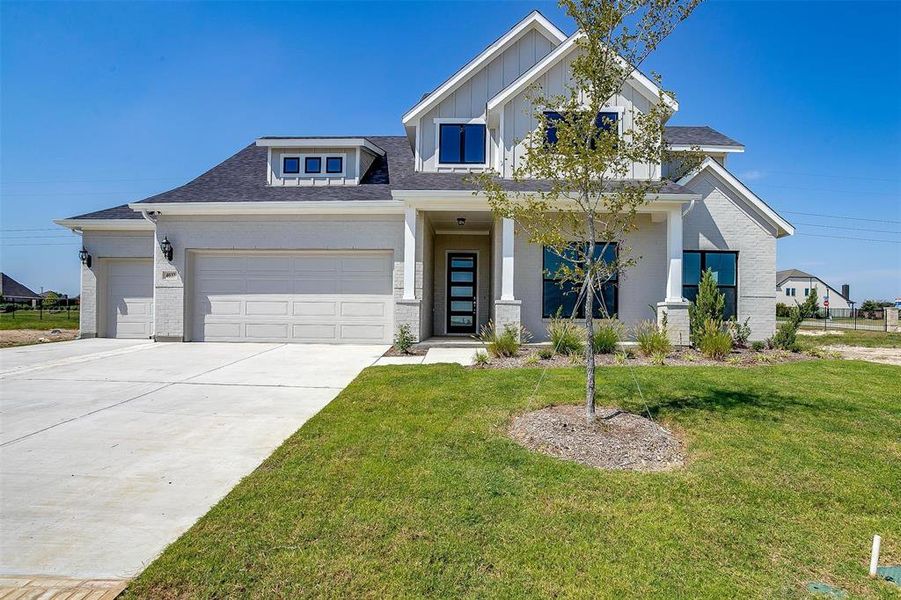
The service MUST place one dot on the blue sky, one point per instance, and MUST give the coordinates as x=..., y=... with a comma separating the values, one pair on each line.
x=105, y=103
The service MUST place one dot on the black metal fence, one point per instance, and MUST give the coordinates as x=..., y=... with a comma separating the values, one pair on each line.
x=846, y=318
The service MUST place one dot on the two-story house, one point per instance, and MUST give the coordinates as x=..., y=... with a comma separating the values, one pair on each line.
x=343, y=239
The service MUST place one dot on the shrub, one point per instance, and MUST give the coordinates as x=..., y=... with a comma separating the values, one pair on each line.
x=403, y=339
x=481, y=359
x=566, y=336
x=651, y=339
x=810, y=306
x=545, y=353
x=503, y=343
x=786, y=334
x=658, y=359
x=708, y=304
x=713, y=342
x=740, y=332
x=531, y=360
x=782, y=310
x=758, y=346
x=606, y=337
x=620, y=358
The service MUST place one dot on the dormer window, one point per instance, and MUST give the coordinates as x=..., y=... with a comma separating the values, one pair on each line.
x=291, y=165
x=312, y=164
x=462, y=143
x=334, y=164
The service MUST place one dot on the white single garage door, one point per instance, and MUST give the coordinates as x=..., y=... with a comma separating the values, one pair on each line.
x=340, y=297
x=129, y=298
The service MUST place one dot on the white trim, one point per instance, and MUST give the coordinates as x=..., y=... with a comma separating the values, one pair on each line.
x=269, y=166
x=275, y=208
x=439, y=121
x=783, y=227
x=106, y=224
x=322, y=174
x=508, y=241
x=644, y=85
x=417, y=154
x=675, y=251
x=706, y=148
x=320, y=143
x=533, y=20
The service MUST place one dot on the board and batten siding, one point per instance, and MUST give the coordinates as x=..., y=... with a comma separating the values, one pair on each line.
x=470, y=98
x=519, y=117
x=350, y=166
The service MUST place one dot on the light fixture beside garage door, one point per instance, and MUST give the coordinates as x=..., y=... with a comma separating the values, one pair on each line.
x=84, y=257
x=166, y=248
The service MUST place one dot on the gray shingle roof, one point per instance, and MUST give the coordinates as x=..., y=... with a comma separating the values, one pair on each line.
x=242, y=178
x=10, y=288
x=783, y=275
x=697, y=136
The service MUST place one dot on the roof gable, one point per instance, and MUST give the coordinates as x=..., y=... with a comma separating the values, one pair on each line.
x=782, y=226
x=533, y=21
x=638, y=80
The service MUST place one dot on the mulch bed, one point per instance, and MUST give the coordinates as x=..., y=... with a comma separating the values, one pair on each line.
x=616, y=440
x=528, y=357
x=414, y=351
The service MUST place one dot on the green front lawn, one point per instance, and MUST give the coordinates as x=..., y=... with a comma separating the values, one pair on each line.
x=406, y=486
x=868, y=339
x=32, y=319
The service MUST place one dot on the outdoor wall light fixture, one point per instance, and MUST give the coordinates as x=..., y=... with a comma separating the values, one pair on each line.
x=461, y=221
x=166, y=247
x=84, y=257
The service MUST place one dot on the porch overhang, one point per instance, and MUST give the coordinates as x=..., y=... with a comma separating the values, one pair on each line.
x=474, y=200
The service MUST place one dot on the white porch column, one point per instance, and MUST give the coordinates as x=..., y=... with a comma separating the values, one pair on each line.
x=409, y=253
x=507, y=262
x=674, y=255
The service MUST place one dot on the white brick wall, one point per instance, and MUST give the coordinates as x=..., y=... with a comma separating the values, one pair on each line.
x=718, y=223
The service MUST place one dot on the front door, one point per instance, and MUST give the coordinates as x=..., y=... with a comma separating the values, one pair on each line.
x=461, y=296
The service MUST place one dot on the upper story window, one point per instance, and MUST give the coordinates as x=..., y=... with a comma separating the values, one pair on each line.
x=291, y=165
x=312, y=164
x=334, y=164
x=605, y=120
x=461, y=143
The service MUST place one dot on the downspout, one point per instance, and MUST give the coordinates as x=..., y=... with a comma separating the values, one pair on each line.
x=146, y=215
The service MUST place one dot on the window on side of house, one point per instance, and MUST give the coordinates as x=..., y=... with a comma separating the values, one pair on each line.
x=461, y=143
x=561, y=297
x=806, y=292
x=291, y=165
x=334, y=164
x=312, y=164
x=724, y=265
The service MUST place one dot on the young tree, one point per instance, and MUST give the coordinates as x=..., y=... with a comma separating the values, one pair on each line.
x=579, y=158
x=708, y=306
x=811, y=305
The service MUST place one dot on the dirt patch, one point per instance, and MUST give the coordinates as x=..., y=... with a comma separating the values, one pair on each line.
x=820, y=332
x=25, y=337
x=617, y=440
x=886, y=356
x=414, y=351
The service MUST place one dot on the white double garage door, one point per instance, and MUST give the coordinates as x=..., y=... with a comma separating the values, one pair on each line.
x=328, y=297
x=338, y=297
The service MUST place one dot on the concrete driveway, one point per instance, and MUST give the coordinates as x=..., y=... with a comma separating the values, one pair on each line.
x=111, y=449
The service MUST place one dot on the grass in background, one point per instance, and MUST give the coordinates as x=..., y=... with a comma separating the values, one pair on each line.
x=407, y=486
x=31, y=319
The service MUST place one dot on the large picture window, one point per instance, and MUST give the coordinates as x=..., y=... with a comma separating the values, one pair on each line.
x=561, y=297
x=725, y=269
x=461, y=143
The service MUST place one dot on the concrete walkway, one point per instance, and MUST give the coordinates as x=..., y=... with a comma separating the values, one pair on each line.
x=109, y=450
x=460, y=356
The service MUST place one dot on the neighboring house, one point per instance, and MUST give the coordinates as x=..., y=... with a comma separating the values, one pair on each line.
x=793, y=286
x=13, y=291
x=345, y=239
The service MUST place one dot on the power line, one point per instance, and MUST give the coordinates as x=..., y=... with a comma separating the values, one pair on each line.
x=29, y=229
x=834, y=176
x=809, y=214
x=64, y=235
x=127, y=179
x=850, y=228
x=826, y=190
x=845, y=237
x=72, y=243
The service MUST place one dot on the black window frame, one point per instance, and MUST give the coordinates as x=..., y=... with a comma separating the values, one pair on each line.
x=719, y=286
x=553, y=115
x=548, y=277
x=340, y=160
x=462, y=127
x=285, y=170
x=306, y=161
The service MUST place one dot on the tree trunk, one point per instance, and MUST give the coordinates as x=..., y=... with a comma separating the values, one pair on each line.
x=589, y=326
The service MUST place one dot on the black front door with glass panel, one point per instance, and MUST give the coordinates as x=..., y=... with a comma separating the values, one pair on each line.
x=461, y=296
